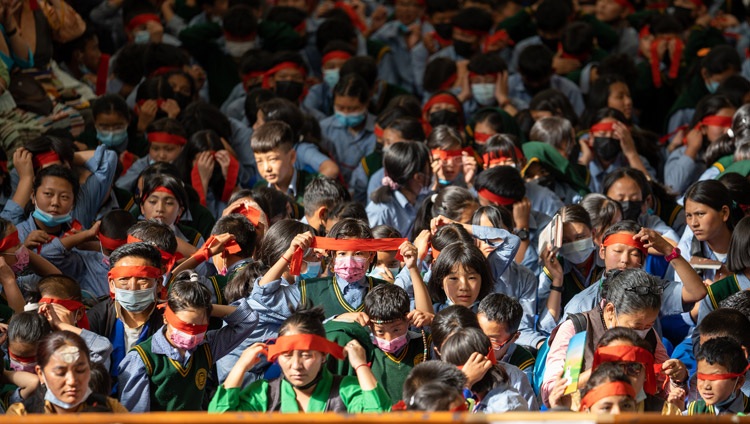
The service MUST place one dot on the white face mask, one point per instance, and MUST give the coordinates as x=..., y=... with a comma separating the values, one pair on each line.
x=51, y=398
x=577, y=251
x=484, y=94
x=642, y=333
x=238, y=48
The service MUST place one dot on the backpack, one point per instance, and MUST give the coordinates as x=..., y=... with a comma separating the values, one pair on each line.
x=579, y=323
x=333, y=404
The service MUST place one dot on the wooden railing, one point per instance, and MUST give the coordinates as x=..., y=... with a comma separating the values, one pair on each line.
x=392, y=418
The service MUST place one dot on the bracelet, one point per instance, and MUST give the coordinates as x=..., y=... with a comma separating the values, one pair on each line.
x=360, y=366
x=555, y=288
x=285, y=259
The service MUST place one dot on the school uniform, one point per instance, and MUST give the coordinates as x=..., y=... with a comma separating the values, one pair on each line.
x=154, y=376
x=721, y=290
x=394, y=34
x=520, y=357
x=309, y=157
x=519, y=383
x=347, y=148
x=520, y=97
x=257, y=397
x=240, y=142
x=573, y=283
x=398, y=213
x=130, y=177
x=680, y=170
x=360, y=180
x=543, y=199
x=597, y=173
x=298, y=183
x=320, y=97
x=53, y=250
x=741, y=405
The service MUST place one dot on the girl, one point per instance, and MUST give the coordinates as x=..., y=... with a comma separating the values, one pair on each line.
x=711, y=120
x=711, y=216
x=460, y=276
x=451, y=162
x=603, y=211
x=111, y=123
x=348, y=134
x=387, y=266
x=443, y=109
x=552, y=103
x=407, y=175
x=725, y=150
x=610, y=91
x=608, y=391
x=19, y=257
x=24, y=332
x=490, y=121
x=307, y=385
x=64, y=368
x=208, y=162
x=454, y=203
x=169, y=371
x=164, y=199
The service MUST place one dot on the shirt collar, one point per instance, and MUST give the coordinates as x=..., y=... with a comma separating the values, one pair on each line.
x=292, y=189
x=160, y=345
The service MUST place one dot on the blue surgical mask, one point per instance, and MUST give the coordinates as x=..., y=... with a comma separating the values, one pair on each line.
x=313, y=270
x=712, y=86
x=331, y=77
x=142, y=37
x=350, y=120
x=484, y=94
x=135, y=300
x=112, y=138
x=49, y=220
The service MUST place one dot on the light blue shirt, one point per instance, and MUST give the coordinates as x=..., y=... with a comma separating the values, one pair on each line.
x=681, y=170
x=543, y=199
x=309, y=157
x=348, y=148
x=398, y=213
x=320, y=97
x=521, y=98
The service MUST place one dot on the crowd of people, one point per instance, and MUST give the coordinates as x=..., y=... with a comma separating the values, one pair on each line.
x=370, y=206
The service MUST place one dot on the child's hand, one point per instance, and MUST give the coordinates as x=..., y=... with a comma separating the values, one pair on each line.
x=22, y=161
x=171, y=108
x=409, y=252
x=205, y=163
x=384, y=273
x=6, y=273
x=622, y=133
x=356, y=354
x=146, y=114
x=521, y=212
x=251, y=355
x=91, y=233
x=675, y=370
x=360, y=318
x=222, y=157
x=35, y=239
x=438, y=222
x=301, y=241
x=549, y=258
x=420, y=319
x=677, y=397
x=469, y=165
x=218, y=242
x=557, y=398
x=653, y=240
x=50, y=312
x=475, y=368
x=422, y=243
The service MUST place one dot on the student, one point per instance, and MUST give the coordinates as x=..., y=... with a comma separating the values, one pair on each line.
x=726, y=150
x=113, y=129
x=321, y=197
x=429, y=372
x=721, y=373
x=24, y=332
x=348, y=134
x=488, y=75
x=229, y=263
x=64, y=368
x=443, y=108
x=386, y=267
x=452, y=164
x=471, y=27
x=610, y=90
x=407, y=175
x=499, y=317
x=302, y=346
x=608, y=391
x=437, y=396
x=166, y=139
x=147, y=381
x=604, y=213
x=320, y=96
x=460, y=276
x=273, y=146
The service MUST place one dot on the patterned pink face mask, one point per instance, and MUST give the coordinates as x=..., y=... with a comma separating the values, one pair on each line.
x=350, y=268
x=22, y=260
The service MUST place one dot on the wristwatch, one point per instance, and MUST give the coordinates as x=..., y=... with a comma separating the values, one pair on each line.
x=674, y=255
x=522, y=233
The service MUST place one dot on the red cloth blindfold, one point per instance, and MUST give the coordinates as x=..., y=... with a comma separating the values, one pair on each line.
x=174, y=321
x=41, y=159
x=134, y=271
x=614, y=388
x=10, y=241
x=110, y=243
x=495, y=198
x=448, y=154
x=603, y=127
x=727, y=376
x=72, y=306
x=627, y=239
x=629, y=354
x=144, y=18
x=283, y=65
x=336, y=54
x=286, y=344
x=166, y=138
x=229, y=183
x=363, y=245
x=167, y=259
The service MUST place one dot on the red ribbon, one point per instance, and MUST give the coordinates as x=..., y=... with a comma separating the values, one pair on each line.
x=449, y=83
x=481, y=137
x=229, y=183
x=363, y=245
x=281, y=66
x=160, y=189
x=166, y=138
x=285, y=344
x=252, y=214
x=46, y=158
x=717, y=121
x=603, y=127
x=143, y=271
x=24, y=359
x=727, y=376
x=141, y=19
x=629, y=354
x=164, y=70
x=674, y=66
x=176, y=322
x=127, y=159
x=443, y=42
x=335, y=54
x=501, y=35
x=378, y=131
x=565, y=55
x=102, y=73
x=626, y=239
x=72, y=306
x=495, y=198
x=448, y=154
x=496, y=157
x=110, y=243
x=204, y=253
x=167, y=259
x=613, y=388
x=10, y=241
x=250, y=75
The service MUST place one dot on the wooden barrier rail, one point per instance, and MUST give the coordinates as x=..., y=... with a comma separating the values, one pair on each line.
x=399, y=418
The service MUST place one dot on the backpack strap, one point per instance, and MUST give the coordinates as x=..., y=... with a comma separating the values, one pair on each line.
x=274, y=395
x=579, y=322
x=334, y=402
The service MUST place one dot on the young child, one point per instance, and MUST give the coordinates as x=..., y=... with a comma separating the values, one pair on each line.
x=273, y=147
x=608, y=390
x=721, y=373
x=169, y=370
x=427, y=372
x=321, y=196
x=386, y=266
x=451, y=163
x=499, y=317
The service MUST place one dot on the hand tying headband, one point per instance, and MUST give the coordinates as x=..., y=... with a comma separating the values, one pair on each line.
x=252, y=214
x=727, y=376
x=285, y=344
x=177, y=323
x=204, y=252
x=141, y=19
x=495, y=198
x=364, y=245
x=10, y=241
x=490, y=356
x=674, y=65
x=281, y=66
x=629, y=354
x=623, y=238
x=167, y=259
x=448, y=154
x=46, y=158
x=614, y=388
x=498, y=36
x=230, y=182
x=72, y=306
x=496, y=157
x=110, y=243
x=709, y=120
x=166, y=138
x=335, y=54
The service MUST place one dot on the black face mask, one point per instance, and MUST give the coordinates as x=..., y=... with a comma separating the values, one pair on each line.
x=445, y=31
x=546, y=181
x=463, y=49
x=182, y=100
x=445, y=117
x=631, y=210
x=606, y=148
x=683, y=15
x=290, y=90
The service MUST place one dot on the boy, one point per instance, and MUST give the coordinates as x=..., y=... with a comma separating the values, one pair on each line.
x=721, y=374
x=273, y=147
x=499, y=317
x=322, y=195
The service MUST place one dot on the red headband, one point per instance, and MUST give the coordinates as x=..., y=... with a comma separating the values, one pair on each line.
x=134, y=271
x=72, y=306
x=10, y=241
x=717, y=121
x=448, y=154
x=101, y=74
x=727, y=376
x=496, y=157
x=141, y=19
x=229, y=183
x=443, y=42
x=501, y=35
x=110, y=243
x=448, y=83
x=614, y=388
x=252, y=214
x=626, y=4
x=167, y=259
x=204, y=253
x=490, y=355
x=166, y=138
x=565, y=55
x=336, y=54
x=495, y=198
x=41, y=159
x=174, y=321
x=164, y=70
x=626, y=239
x=437, y=99
x=629, y=354
x=25, y=359
x=603, y=127
x=286, y=344
x=283, y=65
x=481, y=137
x=250, y=75
x=364, y=245
x=378, y=131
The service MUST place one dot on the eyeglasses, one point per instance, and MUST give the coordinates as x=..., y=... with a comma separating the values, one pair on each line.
x=631, y=369
x=645, y=290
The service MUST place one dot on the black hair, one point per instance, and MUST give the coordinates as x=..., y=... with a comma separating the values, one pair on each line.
x=277, y=239
x=474, y=19
x=110, y=103
x=339, y=45
x=241, y=284
x=599, y=93
x=501, y=308
x=27, y=327
x=555, y=131
x=467, y=256
x=167, y=125
x=606, y=372
x=280, y=109
x=739, y=301
x=738, y=259
x=709, y=105
x=162, y=55
x=335, y=29
x=275, y=203
x=449, y=320
x=723, y=351
x=386, y=302
x=58, y=171
x=575, y=213
x=555, y=102
x=242, y=230
x=433, y=370
x=141, y=250
x=115, y=224
x=631, y=173
x=401, y=162
x=44, y=143
x=205, y=116
x=725, y=322
x=385, y=231
x=240, y=21
x=60, y=286
x=499, y=216
x=291, y=16
x=552, y=15
x=273, y=135
x=490, y=116
x=735, y=88
x=305, y=321
x=186, y=292
x=408, y=103
x=324, y=191
x=254, y=98
x=602, y=210
x=449, y=202
x=353, y=85
x=503, y=145
x=348, y=209
x=503, y=181
x=351, y=228
x=715, y=195
x=437, y=72
x=535, y=62
x=728, y=144
x=50, y=342
x=99, y=380
x=459, y=347
x=168, y=181
x=632, y=290
x=449, y=234
x=720, y=59
x=738, y=186
x=433, y=396
x=411, y=128
x=128, y=65
x=366, y=69
x=437, y=6
x=487, y=63
x=444, y=137
x=627, y=334
x=156, y=234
